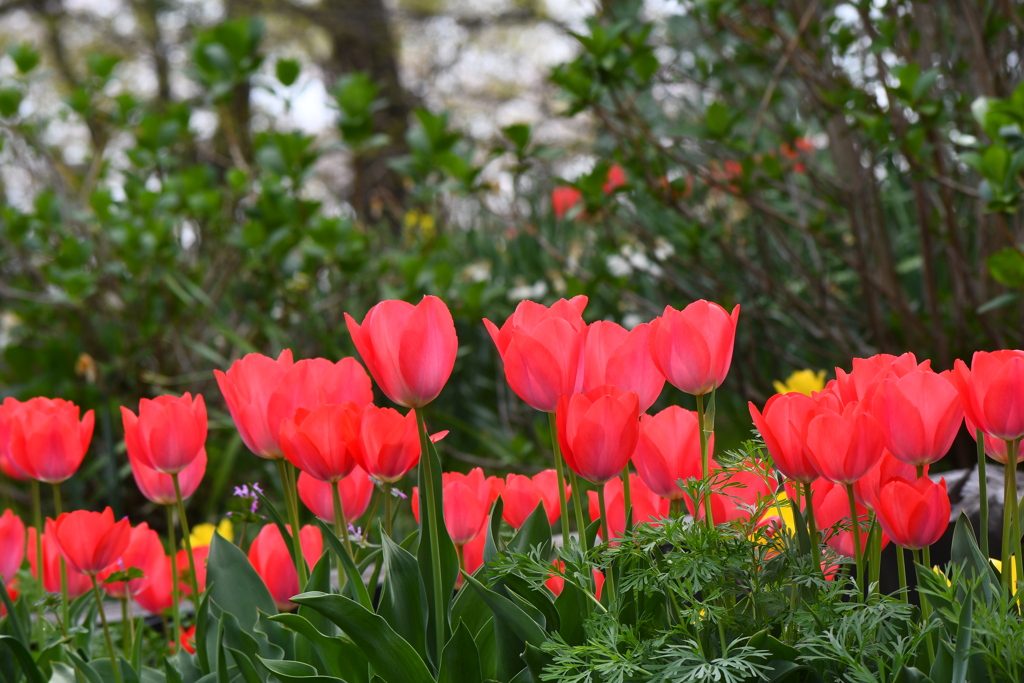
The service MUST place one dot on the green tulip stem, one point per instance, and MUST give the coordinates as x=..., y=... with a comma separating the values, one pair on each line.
x=626, y=498
x=812, y=528
x=114, y=664
x=37, y=519
x=982, y=493
x=187, y=537
x=387, y=495
x=65, y=603
x=901, y=564
x=858, y=552
x=175, y=598
x=1016, y=545
x=606, y=535
x=127, y=624
x=340, y=523
x=563, y=505
x=284, y=469
x=577, y=499
x=704, y=460
x=920, y=559
x=435, y=543
x=875, y=561
x=1009, y=470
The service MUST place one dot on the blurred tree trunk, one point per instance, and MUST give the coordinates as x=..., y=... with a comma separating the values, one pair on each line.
x=361, y=40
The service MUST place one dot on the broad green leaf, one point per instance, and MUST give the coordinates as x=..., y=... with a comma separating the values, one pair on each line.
x=493, y=545
x=23, y=657
x=534, y=533
x=355, y=578
x=962, y=653
x=403, y=603
x=392, y=658
x=287, y=672
x=509, y=613
x=319, y=580
x=1007, y=267
x=717, y=119
x=460, y=662
x=245, y=666
x=234, y=585
x=340, y=656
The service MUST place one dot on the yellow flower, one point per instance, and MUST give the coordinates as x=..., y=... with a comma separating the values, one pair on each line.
x=802, y=381
x=998, y=564
x=782, y=505
x=202, y=534
x=418, y=221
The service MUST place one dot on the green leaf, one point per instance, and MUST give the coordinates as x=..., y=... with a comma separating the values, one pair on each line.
x=506, y=611
x=287, y=71
x=234, y=585
x=355, y=578
x=392, y=658
x=340, y=656
x=717, y=119
x=519, y=135
x=297, y=671
x=245, y=666
x=10, y=101
x=493, y=545
x=460, y=662
x=319, y=580
x=24, y=659
x=1007, y=267
x=964, y=551
x=534, y=533
x=403, y=603
x=961, y=656
x=25, y=56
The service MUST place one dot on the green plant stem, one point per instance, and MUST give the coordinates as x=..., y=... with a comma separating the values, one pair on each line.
x=340, y=523
x=577, y=500
x=288, y=488
x=37, y=520
x=610, y=575
x=983, y=493
x=626, y=498
x=435, y=543
x=563, y=505
x=1007, y=557
x=114, y=664
x=812, y=528
x=926, y=607
x=127, y=625
x=187, y=537
x=858, y=552
x=704, y=460
x=901, y=564
x=875, y=561
x=58, y=509
x=387, y=495
x=175, y=578
x=1017, y=546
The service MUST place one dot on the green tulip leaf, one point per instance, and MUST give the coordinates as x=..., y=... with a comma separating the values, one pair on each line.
x=288, y=671
x=403, y=603
x=460, y=662
x=234, y=585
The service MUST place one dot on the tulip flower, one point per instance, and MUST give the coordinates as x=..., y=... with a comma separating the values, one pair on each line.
x=12, y=544
x=542, y=350
x=90, y=541
x=846, y=445
x=269, y=557
x=467, y=502
x=867, y=374
x=78, y=584
x=159, y=487
x=155, y=594
x=668, y=449
x=188, y=640
x=990, y=391
x=563, y=199
x=389, y=443
x=866, y=489
x=914, y=514
x=556, y=584
x=648, y=506
x=168, y=433
x=523, y=494
x=143, y=551
x=832, y=510
x=247, y=387
x=321, y=443
x=921, y=413
x=12, y=592
x=783, y=426
x=615, y=179
x=7, y=466
x=598, y=431
x=355, y=490
x=472, y=554
x=315, y=382
x=738, y=494
x=200, y=555
x=693, y=347
x=410, y=350
x=47, y=441
x=620, y=357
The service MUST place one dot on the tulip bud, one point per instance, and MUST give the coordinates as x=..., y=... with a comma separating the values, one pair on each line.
x=693, y=347
x=46, y=440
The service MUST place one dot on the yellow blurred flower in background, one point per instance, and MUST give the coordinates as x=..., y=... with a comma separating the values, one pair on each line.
x=202, y=534
x=419, y=223
x=802, y=381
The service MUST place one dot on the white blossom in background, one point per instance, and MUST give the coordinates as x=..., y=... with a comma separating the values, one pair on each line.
x=533, y=292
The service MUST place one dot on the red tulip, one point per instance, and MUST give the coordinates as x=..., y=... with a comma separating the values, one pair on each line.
x=913, y=514
x=315, y=382
x=865, y=489
x=168, y=433
x=616, y=178
x=991, y=390
x=556, y=584
x=355, y=490
x=409, y=350
x=143, y=552
x=668, y=449
x=542, y=350
x=921, y=413
x=472, y=554
x=523, y=494
x=269, y=557
x=321, y=442
x=742, y=491
x=868, y=374
x=563, y=199
x=188, y=640
x=465, y=513
x=693, y=347
x=613, y=355
x=7, y=466
x=247, y=387
x=159, y=487
x=90, y=541
x=47, y=441
x=200, y=554
x=832, y=512
x=845, y=445
x=78, y=584
x=155, y=594
x=783, y=426
x=598, y=431
x=389, y=444
x=12, y=592
x=648, y=506
x=995, y=448
x=12, y=544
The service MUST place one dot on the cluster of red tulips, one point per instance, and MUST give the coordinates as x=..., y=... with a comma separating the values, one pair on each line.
x=858, y=451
